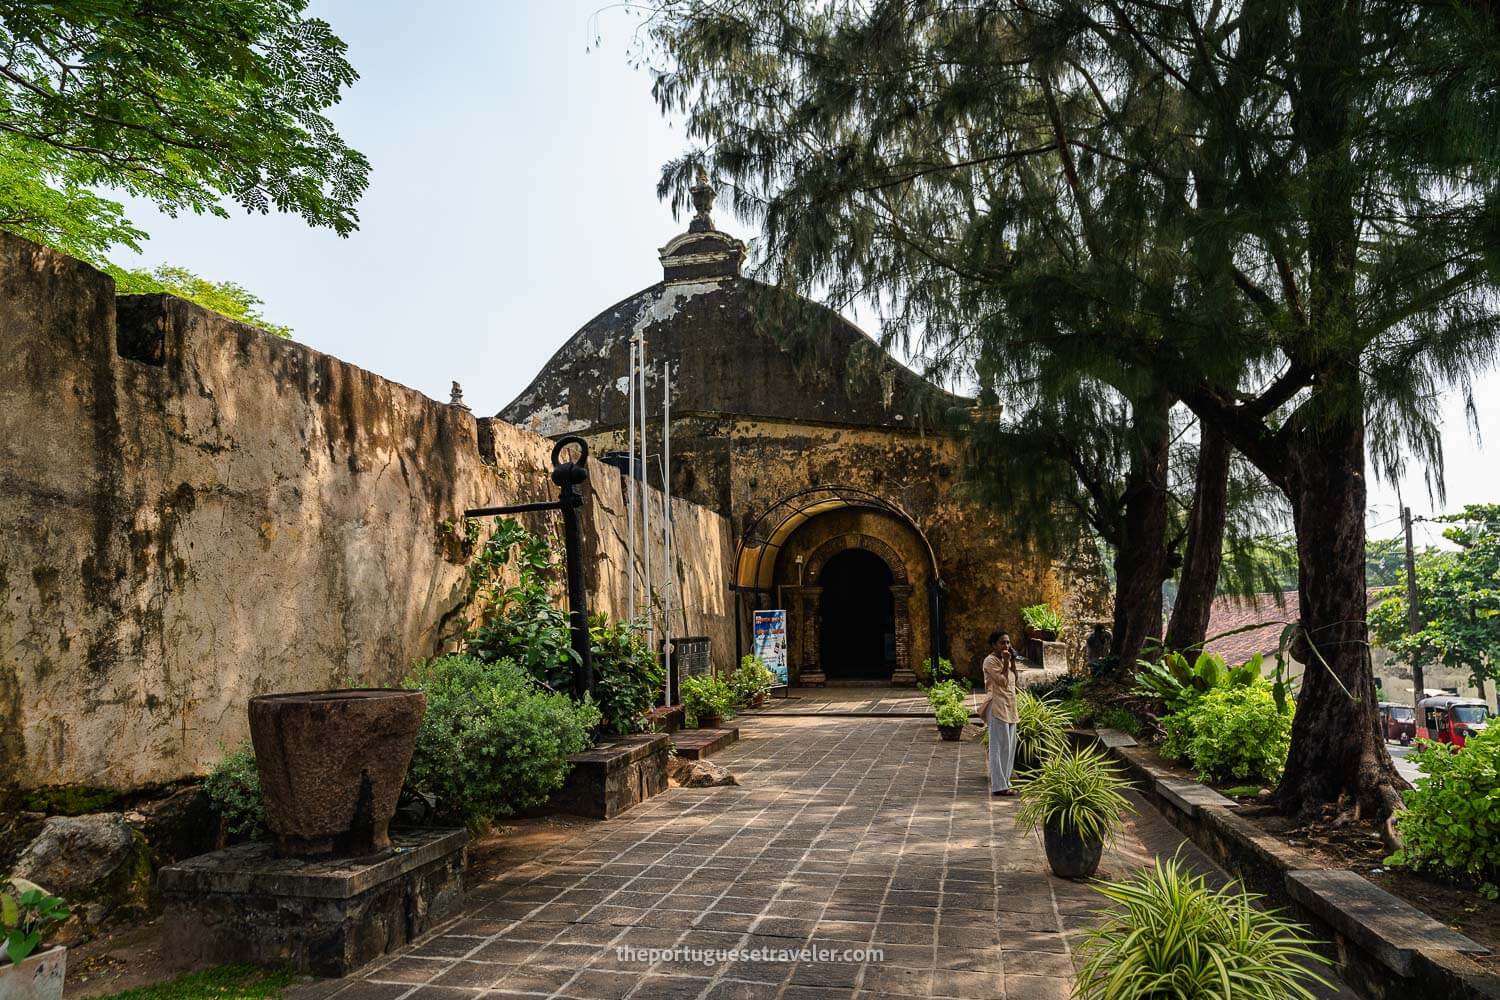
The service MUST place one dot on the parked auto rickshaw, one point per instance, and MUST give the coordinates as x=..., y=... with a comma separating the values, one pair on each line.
x=1449, y=719
x=1398, y=722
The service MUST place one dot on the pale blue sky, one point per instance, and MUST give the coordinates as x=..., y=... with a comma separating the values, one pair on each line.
x=512, y=198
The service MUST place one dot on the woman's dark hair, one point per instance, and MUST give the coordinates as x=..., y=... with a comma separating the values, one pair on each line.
x=995, y=635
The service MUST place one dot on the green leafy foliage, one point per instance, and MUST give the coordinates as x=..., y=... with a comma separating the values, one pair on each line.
x=233, y=786
x=1042, y=617
x=493, y=741
x=951, y=713
x=185, y=103
x=1115, y=717
x=1075, y=790
x=628, y=677
x=511, y=582
x=1170, y=935
x=939, y=672
x=1177, y=682
x=1041, y=732
x=707, y=694
x=225, y=982
x=1458, y=593
x=223, y=297
x=27, y=912
x=1452, y=820
x=1232, y=733
x=751, y=679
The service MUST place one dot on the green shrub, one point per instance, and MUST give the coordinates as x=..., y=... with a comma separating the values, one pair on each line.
x=707, y=694
x=1115, y=717
x=1232, y=732
x=1177, y=682
x=1172, y=936
x=1041, y=731
x=939, y=672
x=1078, y=790
x=945, y=692
x=520, y=622
x=751, y=679
x=951, y=713
x=629, y=679
x=233, y=786
x=492, y=742
x=1042, y=618
x=1451, y=824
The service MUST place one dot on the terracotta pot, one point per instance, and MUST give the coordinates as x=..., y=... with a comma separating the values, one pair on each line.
x=710, y=721
x=951, y=733
x=38, y=976
x=331, y=766
x=1069, y=854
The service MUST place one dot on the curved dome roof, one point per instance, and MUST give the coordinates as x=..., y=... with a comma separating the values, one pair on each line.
x=737, y=347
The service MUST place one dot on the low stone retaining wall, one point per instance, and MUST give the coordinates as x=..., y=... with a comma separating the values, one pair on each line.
x=614, y=776
x=1385, y=948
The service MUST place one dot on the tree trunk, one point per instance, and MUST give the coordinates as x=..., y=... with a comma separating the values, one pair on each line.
x=1141, y=556
x=1337, y=754
x=1204, y=548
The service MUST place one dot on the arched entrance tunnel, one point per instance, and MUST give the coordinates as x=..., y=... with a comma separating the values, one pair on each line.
x=857, y=634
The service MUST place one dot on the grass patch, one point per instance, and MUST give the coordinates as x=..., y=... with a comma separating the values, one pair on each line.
x=226, y=982
x=1243, y=791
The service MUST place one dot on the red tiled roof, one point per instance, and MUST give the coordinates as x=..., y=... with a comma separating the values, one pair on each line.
x=1270, y=611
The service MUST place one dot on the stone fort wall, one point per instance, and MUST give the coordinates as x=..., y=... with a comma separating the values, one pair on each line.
x=193, y=512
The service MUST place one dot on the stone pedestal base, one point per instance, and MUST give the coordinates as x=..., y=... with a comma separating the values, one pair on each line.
x=328, y=918
x=812, y=678
x=903, y=678
x=614, y=776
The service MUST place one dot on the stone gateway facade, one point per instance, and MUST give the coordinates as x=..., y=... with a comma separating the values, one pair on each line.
x=788, y=420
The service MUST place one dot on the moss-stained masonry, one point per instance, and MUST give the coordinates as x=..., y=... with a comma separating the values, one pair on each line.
x=193, y=512
x=761, y=413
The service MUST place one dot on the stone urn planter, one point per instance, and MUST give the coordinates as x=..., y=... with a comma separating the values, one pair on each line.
x=36, y=977
x=1070, y=854
x=331, y=766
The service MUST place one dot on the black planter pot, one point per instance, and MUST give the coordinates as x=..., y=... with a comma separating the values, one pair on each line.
x=1070, y=855
x=951, y=733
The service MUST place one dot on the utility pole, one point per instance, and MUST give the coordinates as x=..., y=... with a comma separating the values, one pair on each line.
x=1413, y=616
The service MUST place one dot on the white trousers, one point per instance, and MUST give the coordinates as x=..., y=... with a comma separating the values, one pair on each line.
x=1002, y=753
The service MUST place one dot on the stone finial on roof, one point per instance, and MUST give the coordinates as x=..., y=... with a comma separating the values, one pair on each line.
x=456, y=397
x=703, y=202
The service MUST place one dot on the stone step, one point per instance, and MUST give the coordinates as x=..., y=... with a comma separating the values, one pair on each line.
x=1389, y=928
x=698, y=744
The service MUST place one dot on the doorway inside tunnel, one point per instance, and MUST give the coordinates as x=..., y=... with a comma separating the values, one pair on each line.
x=857, y=634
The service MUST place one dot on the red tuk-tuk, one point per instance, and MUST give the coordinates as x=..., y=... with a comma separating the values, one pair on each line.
x=1449, y=719
x=1398, y=722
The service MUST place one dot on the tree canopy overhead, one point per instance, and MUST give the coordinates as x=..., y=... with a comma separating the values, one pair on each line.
x=187, y=103
x=1286, y=213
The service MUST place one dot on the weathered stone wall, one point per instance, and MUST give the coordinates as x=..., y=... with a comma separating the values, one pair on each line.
x=743, y=466
x=193, y=512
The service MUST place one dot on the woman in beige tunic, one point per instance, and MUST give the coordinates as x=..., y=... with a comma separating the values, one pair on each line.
x=1000, y=676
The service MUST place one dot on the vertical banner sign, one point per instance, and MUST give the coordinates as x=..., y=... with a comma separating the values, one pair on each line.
x=770, y=643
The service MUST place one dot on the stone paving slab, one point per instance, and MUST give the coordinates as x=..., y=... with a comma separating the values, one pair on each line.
x=850, y=835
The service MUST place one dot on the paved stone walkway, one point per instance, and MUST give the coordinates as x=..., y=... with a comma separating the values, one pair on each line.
x=847, y=834
x=859, y=700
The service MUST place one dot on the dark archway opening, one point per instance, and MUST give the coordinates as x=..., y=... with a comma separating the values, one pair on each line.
x=858, y=631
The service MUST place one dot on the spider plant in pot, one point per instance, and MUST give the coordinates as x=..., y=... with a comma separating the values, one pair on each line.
x=1074, y=799
x=1171, y=935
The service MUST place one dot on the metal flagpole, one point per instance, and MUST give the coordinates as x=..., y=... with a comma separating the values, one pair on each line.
x=630, y=481
x=666, y=491
x=646, y=505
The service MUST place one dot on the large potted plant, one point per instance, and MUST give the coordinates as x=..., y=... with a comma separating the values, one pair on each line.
x=1041, y=622
x=949, y=708
x=27, y=913
x=751, y=681
x=707, y=700
x=1042, y=732
x=1074, y=799
x=1169, y=927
